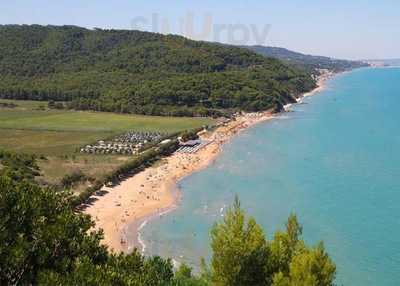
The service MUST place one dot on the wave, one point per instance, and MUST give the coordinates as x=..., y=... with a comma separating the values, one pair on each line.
x=145, y=222
x=139, y=236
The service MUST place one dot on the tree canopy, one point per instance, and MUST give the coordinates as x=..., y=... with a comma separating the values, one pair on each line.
x=140, y=72
x=243, y=256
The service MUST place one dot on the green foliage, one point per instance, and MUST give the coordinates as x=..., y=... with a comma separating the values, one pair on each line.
x=39, y=231
x=310, y=267
x=191, y=134
x=69, y=180
x=183, y=272
x=139, y=72
x=132, y=269
x=184, y=277
x=18, y=166
x=285, y=245
x=44, y=242
x=240, y=253
x=242, y=256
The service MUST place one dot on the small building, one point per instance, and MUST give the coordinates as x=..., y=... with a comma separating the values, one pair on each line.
x=190, y=143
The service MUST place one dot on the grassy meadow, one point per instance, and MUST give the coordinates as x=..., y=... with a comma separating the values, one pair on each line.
x=48, y=143
x=53, y=120
x=30, y=127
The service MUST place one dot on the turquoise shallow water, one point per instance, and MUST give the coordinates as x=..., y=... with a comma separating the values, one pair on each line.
x=334, y=161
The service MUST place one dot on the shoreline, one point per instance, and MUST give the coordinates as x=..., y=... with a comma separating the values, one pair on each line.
x=124, y=210
x=134, y=239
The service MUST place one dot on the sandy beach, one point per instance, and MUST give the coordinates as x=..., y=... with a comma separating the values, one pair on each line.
x=120, y=210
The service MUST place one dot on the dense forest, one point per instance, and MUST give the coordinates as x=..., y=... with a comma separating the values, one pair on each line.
x=307, y=62
x=45, y=241
x=140, y=72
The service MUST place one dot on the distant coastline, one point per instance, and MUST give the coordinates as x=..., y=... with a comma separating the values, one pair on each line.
x=127, y=208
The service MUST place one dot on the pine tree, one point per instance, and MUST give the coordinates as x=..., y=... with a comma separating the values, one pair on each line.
x=240, y=252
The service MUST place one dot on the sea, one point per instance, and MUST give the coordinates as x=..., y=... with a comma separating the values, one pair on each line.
x=333, y=160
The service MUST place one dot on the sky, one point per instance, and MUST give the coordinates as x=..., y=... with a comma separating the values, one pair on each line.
x=352, y=29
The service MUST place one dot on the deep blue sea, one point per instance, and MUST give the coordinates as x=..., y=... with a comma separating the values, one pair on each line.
x=334, y=161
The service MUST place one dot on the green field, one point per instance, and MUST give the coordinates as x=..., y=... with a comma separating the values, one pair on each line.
x=46, y=142
x=54, y=132
x=31, y=127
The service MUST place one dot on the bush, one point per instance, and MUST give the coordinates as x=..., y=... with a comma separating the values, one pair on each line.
x=191, y=134
x=70, y=180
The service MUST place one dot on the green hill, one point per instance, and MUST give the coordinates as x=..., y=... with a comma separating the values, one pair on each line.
x=140, y=72
x=307, y=62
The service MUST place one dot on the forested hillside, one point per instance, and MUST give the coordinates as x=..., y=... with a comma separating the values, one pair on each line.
x=140, y=72
x=307, y=62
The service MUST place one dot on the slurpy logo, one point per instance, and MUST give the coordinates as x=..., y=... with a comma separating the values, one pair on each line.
x=204, y=29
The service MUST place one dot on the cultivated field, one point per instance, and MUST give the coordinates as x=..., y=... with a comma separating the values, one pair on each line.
x=30, y=127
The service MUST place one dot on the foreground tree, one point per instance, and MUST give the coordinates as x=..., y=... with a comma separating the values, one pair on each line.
x=240, y=252
x=311, y=267
x=242, y=256
x=44, y=242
